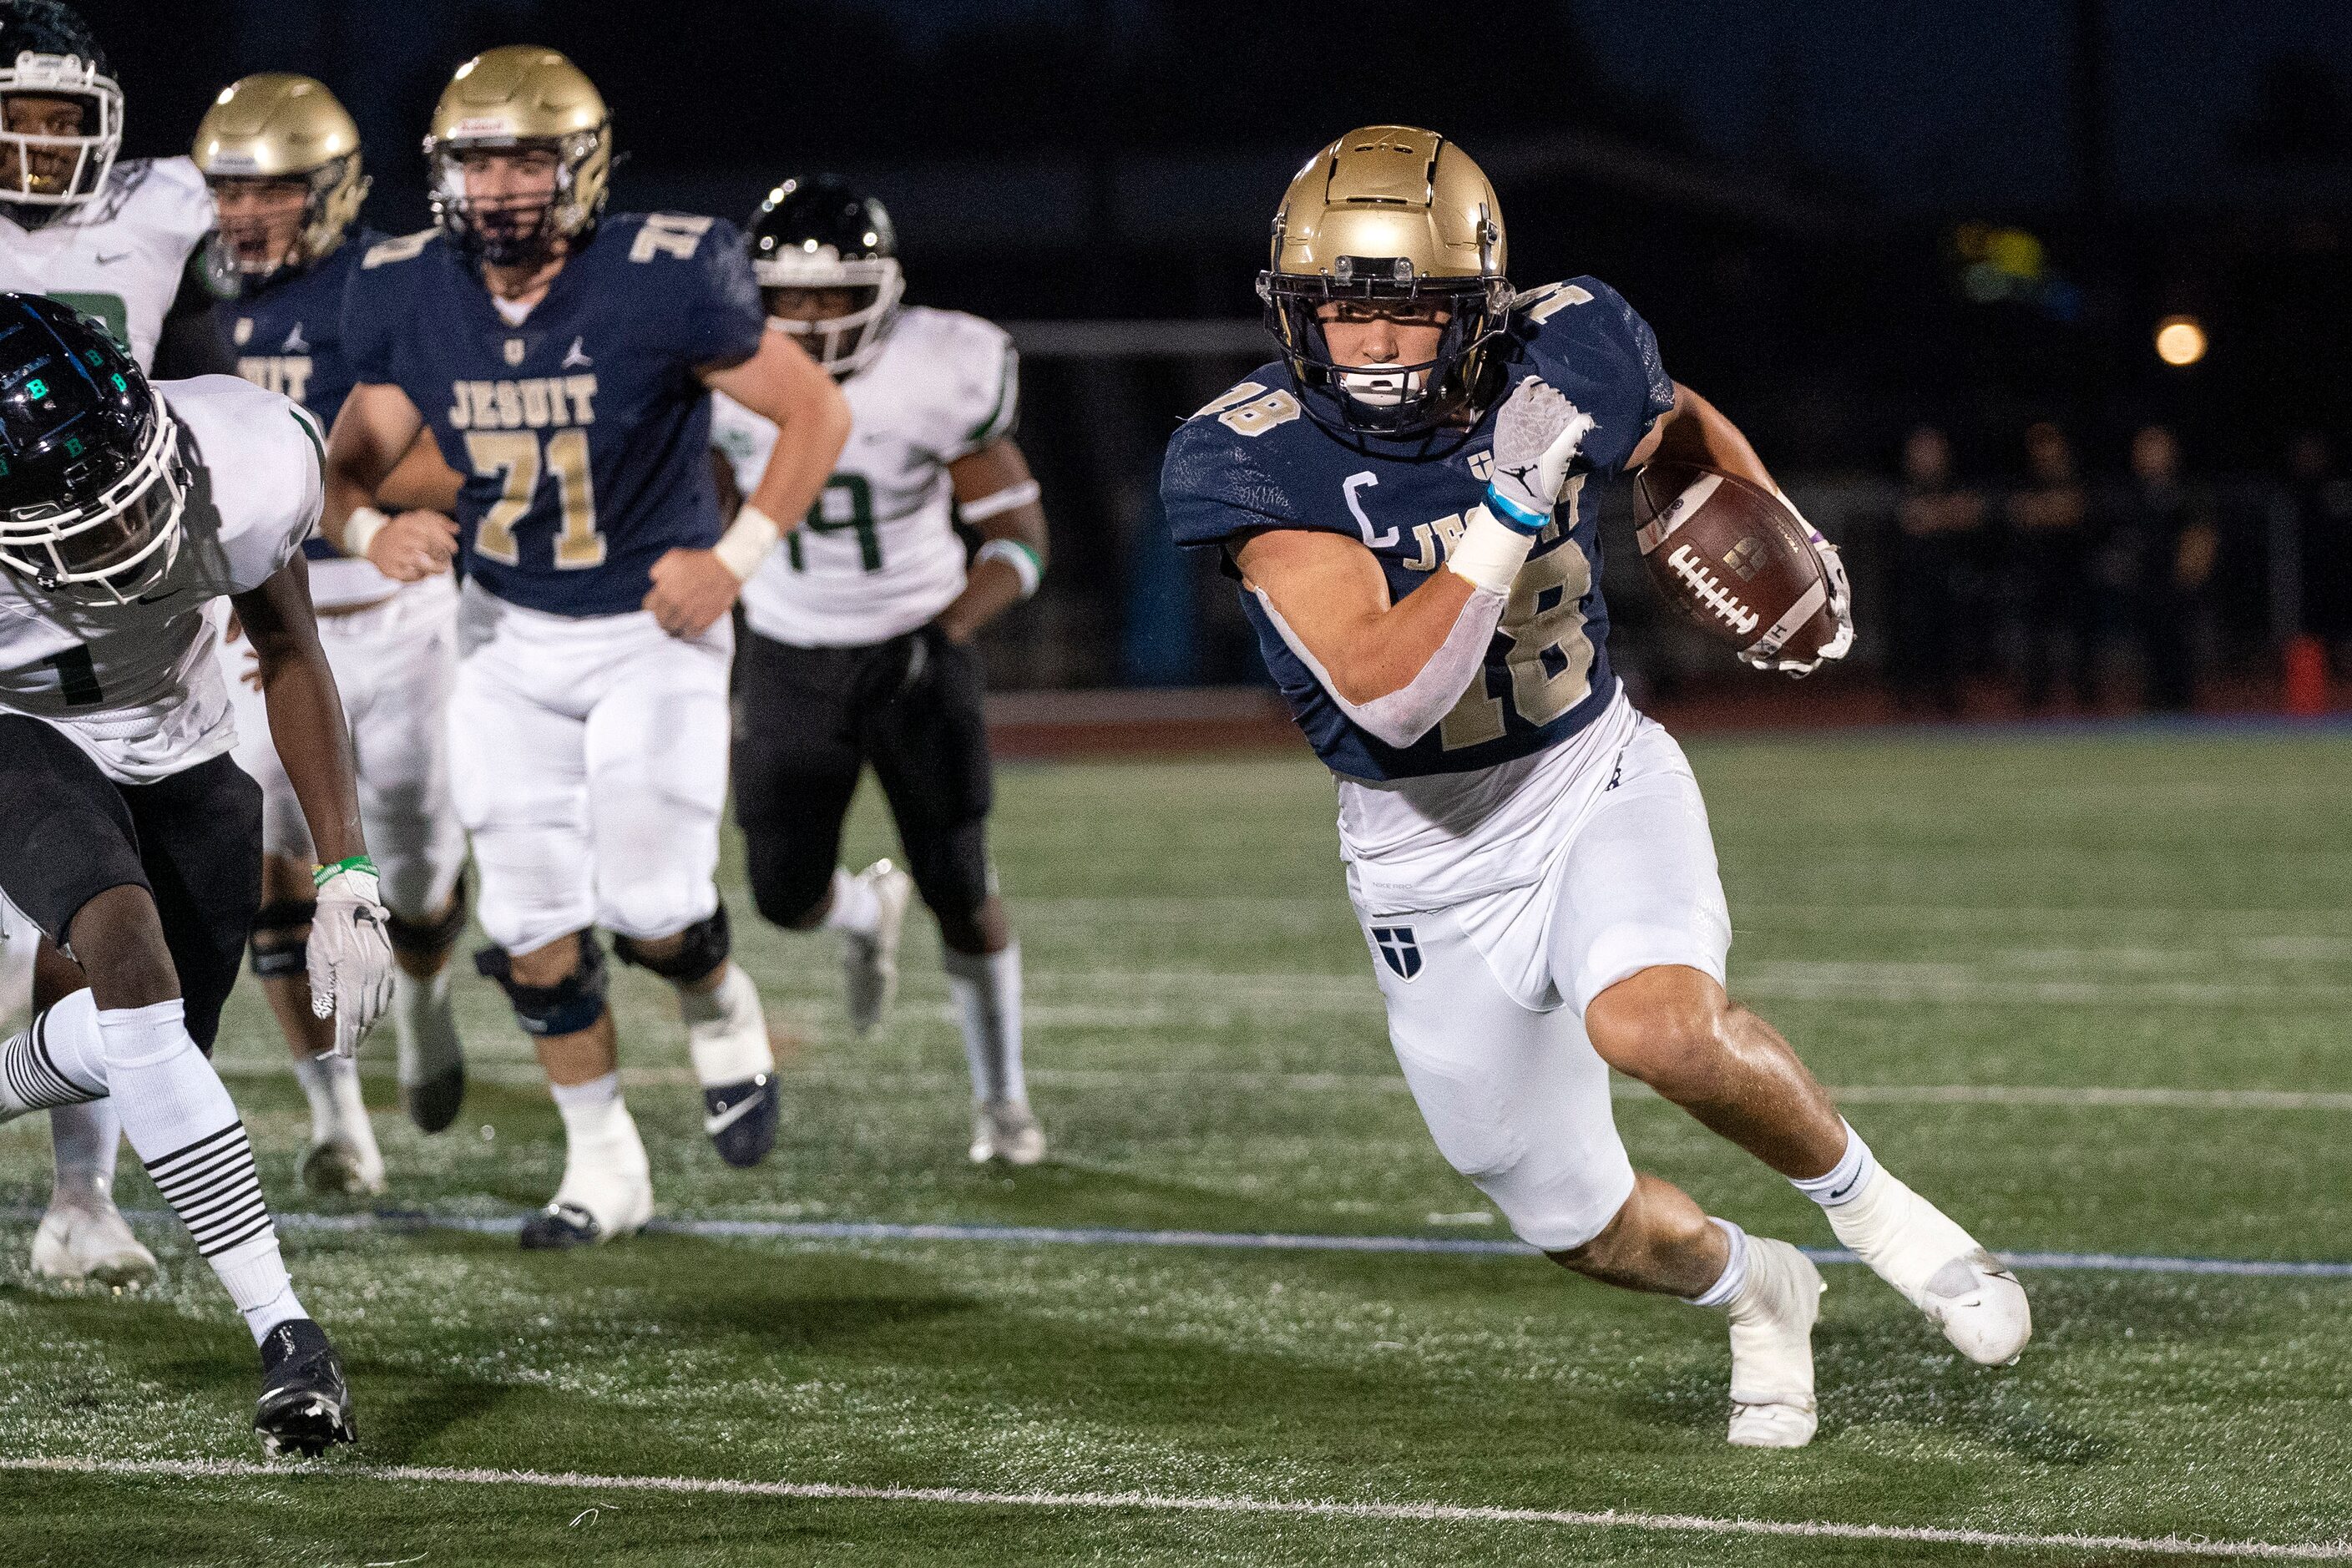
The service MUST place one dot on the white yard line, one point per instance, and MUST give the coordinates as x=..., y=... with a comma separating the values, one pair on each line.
x=1157, y=1503
x=527, y=1075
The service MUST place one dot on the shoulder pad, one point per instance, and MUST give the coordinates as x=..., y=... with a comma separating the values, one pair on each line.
x=678, y=236
x=1251, y=408
x=407, y=248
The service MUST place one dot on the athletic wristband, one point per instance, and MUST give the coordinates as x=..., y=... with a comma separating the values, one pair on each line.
x=325, y=874
x=361, y=529
x=1017, y=555
x=747, y=541
x=1004, y=500
x=1511, y=514
x=1490, y=552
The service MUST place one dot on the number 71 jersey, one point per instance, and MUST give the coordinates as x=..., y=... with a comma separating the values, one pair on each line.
x=580, y=431
x=1255, y=460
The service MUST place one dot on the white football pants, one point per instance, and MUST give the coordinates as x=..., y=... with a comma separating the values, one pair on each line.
x=395, y=663
x=589, y=756
x=1486, y=994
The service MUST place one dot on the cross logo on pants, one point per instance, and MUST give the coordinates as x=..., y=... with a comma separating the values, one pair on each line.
x=1397, y=950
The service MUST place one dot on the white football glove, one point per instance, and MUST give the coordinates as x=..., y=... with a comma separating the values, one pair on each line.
x=1537, y=434
x=350, y=951
x=1841, y=606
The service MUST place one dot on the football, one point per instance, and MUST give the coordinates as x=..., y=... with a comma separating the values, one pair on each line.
x=1732, y=557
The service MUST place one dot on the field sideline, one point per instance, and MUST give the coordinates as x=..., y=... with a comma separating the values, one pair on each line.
x=2088, y=990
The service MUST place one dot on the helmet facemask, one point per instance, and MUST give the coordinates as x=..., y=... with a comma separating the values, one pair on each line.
x=843, y=345
x=519, y=229
x=242, y=248
x=1387, y=398
x=45, y=169
x=115, y=546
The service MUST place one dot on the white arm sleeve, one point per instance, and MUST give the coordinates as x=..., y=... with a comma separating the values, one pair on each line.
x=1410, y=711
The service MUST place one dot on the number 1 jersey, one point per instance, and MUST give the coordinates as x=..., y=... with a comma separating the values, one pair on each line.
x=581, y=431
x=1255, y=460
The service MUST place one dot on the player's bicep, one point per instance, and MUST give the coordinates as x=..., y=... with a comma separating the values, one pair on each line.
x=1325, y=588
x=277, y=616
x=421, y=481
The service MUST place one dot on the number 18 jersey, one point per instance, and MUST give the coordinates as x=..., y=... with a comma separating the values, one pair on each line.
x=1255, y=460
x=580, y=431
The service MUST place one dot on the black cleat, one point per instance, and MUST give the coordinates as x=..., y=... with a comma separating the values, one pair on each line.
x=558, y=1227
x=305, y=1405
x=434, y=1103
x=742, y=1119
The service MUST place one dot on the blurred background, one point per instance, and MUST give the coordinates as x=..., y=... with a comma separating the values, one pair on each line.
x=2040, y=308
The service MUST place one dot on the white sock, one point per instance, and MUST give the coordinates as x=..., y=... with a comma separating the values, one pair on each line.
x=986, y=988
x=86, y=1138
x=602, y=1155
x=57, y=1059
x=425, y=1025
x=725, y=1032
x=856, y=907
x=331, y=1084
x=1844, y=1181
x=184, y=1129
x=1734, y=1269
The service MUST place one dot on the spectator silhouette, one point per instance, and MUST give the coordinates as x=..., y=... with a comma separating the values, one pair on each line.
x=2321, y=499
x=2051, y=549
x=2165, y=528
x=1940, y=530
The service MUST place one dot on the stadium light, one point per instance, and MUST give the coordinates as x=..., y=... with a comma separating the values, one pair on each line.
x=2179, y=341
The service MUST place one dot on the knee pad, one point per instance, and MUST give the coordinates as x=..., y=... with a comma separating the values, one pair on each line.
x=703, y=947
x=286, y=956
x=430, y=939
x=572, y=1004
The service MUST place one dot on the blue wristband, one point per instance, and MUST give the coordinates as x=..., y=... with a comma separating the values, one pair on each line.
x=1511, y=514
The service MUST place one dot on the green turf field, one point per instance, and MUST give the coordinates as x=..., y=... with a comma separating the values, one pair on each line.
x=2048, y=970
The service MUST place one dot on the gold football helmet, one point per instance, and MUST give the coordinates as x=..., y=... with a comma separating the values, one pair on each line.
x=1392, y=213
x=520, y=99
x=275, y=127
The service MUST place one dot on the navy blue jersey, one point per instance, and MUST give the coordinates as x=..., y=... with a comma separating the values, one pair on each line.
x=1255, y=459
x=583, y=434
x=288, y=336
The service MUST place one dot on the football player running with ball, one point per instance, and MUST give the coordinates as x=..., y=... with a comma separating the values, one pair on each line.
x=283, y=161
x=861, y=629
x=127, y=833
x=1399, y=497
x=561, y=360
x=121, y=239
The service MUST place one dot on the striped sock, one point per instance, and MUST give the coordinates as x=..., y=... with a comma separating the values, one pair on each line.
x=54, y=1062
x=186, y=1130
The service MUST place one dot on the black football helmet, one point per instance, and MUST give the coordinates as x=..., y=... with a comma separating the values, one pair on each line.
x=47, y=51
x=822, y=233
x=91, y=485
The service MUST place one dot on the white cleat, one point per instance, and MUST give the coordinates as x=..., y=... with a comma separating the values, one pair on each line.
x=870, y=963
x=1939, y=1267
x=84, y=1240
x=1772, y=1347
x=338, y=1166
x=1006, y=1130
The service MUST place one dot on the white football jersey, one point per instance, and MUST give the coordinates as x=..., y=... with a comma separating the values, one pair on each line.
x=139, y=685
x=878, y=553
x=118, y=256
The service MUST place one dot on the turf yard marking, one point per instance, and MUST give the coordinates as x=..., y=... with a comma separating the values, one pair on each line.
x=1239, y=1241
x=1156, y=1502
x=527, y=1075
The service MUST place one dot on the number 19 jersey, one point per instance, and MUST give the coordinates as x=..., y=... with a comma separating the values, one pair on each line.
x=580, y=431
x=878, y=554
x=1255, y=460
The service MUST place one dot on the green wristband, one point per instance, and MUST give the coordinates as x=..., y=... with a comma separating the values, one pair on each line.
x=347, y=863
